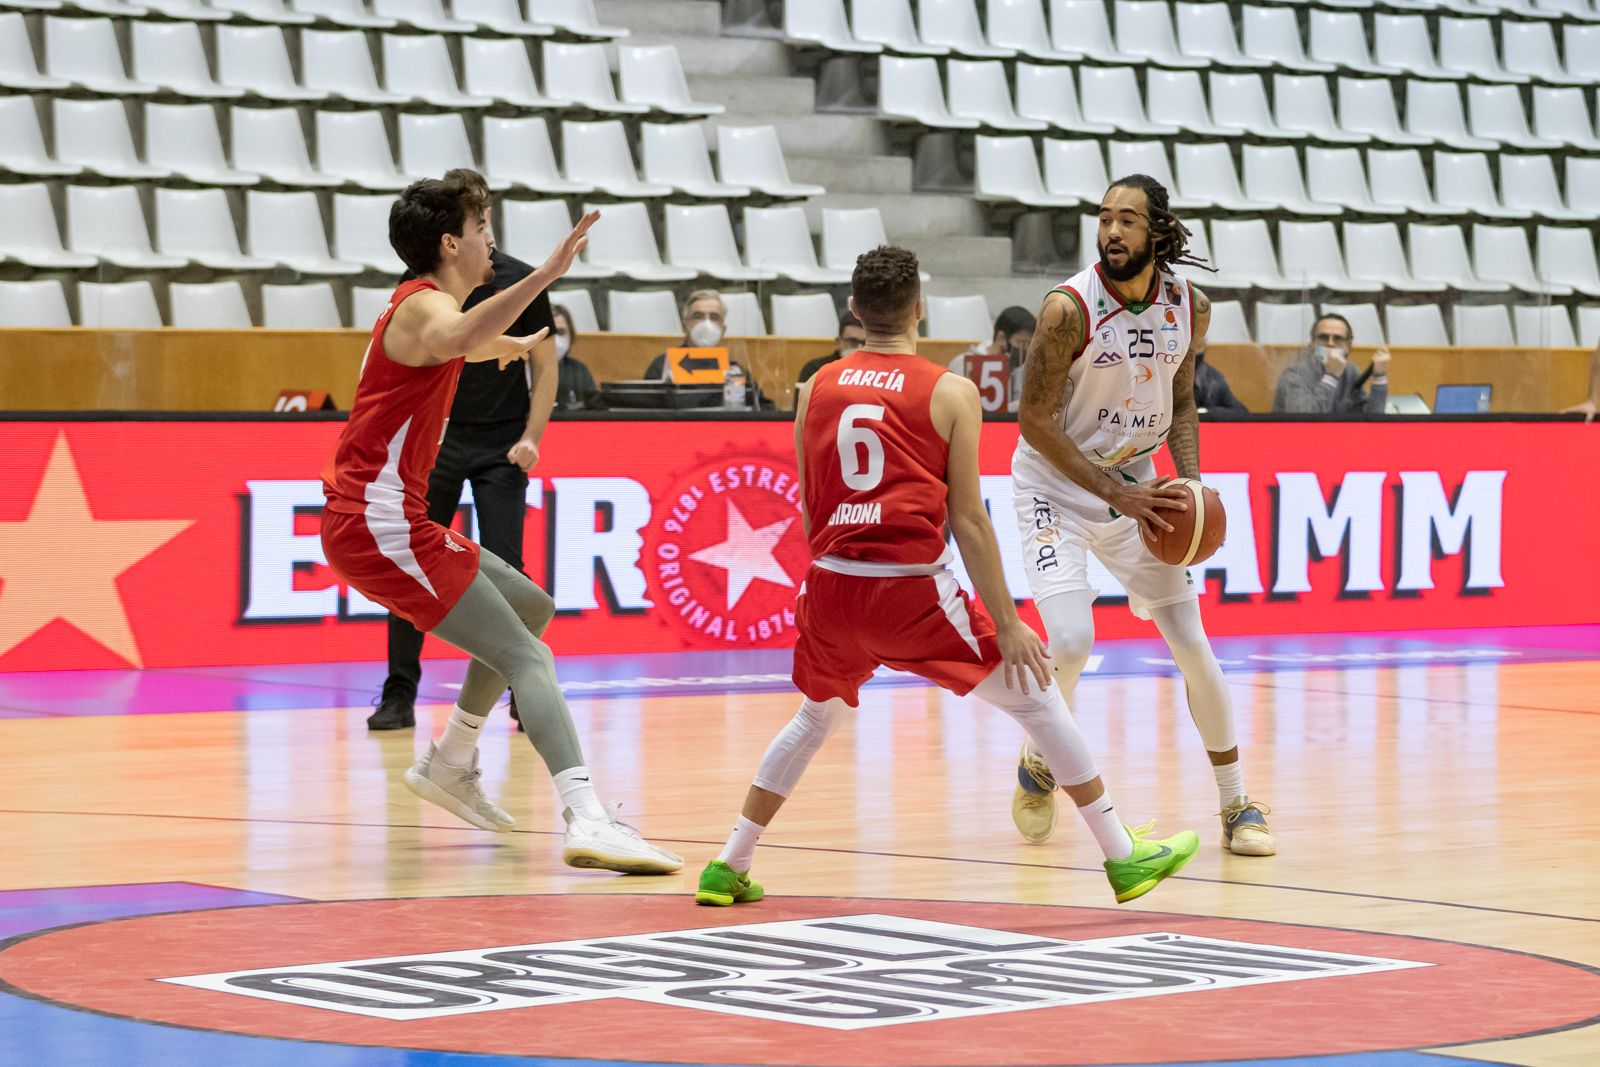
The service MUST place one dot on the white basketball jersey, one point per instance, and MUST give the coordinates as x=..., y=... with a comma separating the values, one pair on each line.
x=1118, y=406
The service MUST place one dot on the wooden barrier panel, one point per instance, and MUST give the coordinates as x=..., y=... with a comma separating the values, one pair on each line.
x=244, y=370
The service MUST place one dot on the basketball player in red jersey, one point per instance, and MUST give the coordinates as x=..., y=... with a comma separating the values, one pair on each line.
x=888, y=448
x=377, y=535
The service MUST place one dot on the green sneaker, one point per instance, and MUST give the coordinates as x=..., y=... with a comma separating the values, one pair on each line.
x=721, y=886
x=1150, y=863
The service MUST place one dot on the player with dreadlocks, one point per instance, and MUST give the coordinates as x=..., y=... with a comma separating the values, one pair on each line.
x=1109, y=378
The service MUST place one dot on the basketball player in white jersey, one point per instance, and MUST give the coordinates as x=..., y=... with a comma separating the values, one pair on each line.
x=1109, y=378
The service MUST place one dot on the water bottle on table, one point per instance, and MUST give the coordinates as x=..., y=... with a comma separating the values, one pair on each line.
x=734, y=390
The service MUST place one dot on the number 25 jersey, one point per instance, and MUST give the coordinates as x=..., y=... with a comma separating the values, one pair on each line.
x=1118, y=406
x=874, y=464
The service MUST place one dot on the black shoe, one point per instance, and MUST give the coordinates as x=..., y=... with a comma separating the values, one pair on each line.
x=514, y=716
x=394, y=713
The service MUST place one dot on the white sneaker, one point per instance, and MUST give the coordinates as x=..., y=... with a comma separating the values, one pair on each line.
x=614, y=846
x=456, y=790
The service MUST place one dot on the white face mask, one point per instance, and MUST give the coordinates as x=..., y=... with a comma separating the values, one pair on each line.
x=563, y=345
x=704, y=334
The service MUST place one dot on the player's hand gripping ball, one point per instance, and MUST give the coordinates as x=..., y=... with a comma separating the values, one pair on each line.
x=1196, y=532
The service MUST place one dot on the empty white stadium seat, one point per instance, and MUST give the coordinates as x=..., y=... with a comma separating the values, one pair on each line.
x=337, y=62
x=1375, y=254
x=1228, y=325
x=85, y=51
x=778, y=238
x=1207, y=30
x=804, y=315
x=1366, y=105
x=979, y=90
x=1500, y=253
x=1075, y=168
x=1366, y=325
x=1530, y=51
x=354, y=146
x=434, y=143
x=500, y=16
x=1422, y=325
x=575, y=16
x=351, y=14
x=31, y=235
x=34, y=304
x=184, y=139
x=1433, y=109
x=1338, y=176
x=1340, y=38
x=1467, y=45
x=94, y=134
x=1563, y=115
x=171, y=55
x=426, y=15
x=1050, y=94
x=1082, y=26
x=19, y=68
x=211, y=306
x=1485, y=326
x=361, y=232
x=531, y=229
x=1404, y=41
x=654, y=312
x=889, y=23
x=22, y=148
x=959, y=318
x=675, y=154
x=1111, y=94
x=197, y=224
x=700, y=237
x=624, y=241
x=1567, y=257
x=954, y=24
x=1240, y=100
x=744, y=315
x=1439, y=255
x=1302, y=103
x=1589, y=326
x=823, y=22
x=1205, y=175
x=1498, y=115
x=288, y=228
x=1310, y=257
x=517, y=152
x=1144, y=30
x=1462, y=181
x=597, y=153
x=299, y=307
x=419, y=65
x=1398, y=179
x=847, y=233
x=1020, y=26
x=1284, y=324
x=256, y=59
x=1543, y=326
x=1183, y=101
x=1243, y=249
x=909, y=90
x=109, y=224
x=1274, y=33
x=652, y=75
x=753, y=156
x=499, y=70
x=122, y=306
x=366, y=304
x=582, y=74
x=1272, y=174
x=275, y=12
x=1147, y=157
x=579, y=305
x=272, y=142
x=1007, y=171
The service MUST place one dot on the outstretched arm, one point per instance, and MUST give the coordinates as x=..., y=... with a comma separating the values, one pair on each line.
x=1183, y=438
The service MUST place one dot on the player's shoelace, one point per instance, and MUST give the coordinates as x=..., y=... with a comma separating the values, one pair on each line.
x=1232, y=812
x=1039, y=771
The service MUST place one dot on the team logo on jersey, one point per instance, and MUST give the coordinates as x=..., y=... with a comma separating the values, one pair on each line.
x=724, y=552
x=1142, y=374
x=1172, y=346
x=1107, y=336
x=1107, y=359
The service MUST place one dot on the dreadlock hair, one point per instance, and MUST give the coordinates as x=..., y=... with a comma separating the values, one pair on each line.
x=1169, y=237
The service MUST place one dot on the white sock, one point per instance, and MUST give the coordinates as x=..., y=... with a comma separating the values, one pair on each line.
x=740, y=851
x=577, y=792
x=1230, y=781
x=460, y=739
x=1109, y=833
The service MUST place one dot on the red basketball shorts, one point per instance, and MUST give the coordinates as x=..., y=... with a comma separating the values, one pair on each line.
x=926, y=625
x=418, y=570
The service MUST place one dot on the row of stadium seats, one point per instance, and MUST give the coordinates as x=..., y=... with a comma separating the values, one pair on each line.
x=183, y=143
x=336, y=65
x=1333, y=182
x=105, y=226
x=1202, y=34
x=543, y=18
x=223, y=305
x=1107, y=100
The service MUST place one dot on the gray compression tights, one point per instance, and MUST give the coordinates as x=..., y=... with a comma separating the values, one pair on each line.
x=498, y=622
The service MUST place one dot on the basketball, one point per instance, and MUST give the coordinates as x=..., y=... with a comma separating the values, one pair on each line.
x=1196, y=533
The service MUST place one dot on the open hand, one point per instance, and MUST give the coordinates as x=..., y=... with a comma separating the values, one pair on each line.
x=571, y=246
x=1023, y=654
x=515, y=348
x=1144, y=503
x=1586, y=409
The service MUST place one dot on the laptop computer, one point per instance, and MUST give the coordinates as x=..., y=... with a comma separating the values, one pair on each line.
x=1462, y=399
x=1406, y=404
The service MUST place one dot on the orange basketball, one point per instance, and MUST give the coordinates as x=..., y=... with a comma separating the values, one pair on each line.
x=1196, y=533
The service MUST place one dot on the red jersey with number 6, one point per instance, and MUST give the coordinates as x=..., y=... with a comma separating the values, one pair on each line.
x=874, y=464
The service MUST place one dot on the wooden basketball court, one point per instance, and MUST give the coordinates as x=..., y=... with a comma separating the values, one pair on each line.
x=1435, y=812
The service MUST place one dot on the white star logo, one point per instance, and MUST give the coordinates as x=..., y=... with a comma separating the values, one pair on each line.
x=746, y=555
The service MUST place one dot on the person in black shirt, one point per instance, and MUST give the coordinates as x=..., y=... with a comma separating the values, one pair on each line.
x=491, y=441
x=1211, y=390
x=574, y=384
x=852, y=335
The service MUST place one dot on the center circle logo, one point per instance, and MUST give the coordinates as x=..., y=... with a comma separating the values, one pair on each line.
x=724, y=552
x=649, y=978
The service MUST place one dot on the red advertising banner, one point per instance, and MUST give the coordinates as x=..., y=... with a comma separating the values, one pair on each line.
x=168, y=544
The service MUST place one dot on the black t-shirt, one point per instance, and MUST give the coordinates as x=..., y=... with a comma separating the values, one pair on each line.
x=817, y=364
x=489, y=398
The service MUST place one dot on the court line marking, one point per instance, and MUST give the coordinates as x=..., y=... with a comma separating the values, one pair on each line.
x=817, y=848
x=1262, y=684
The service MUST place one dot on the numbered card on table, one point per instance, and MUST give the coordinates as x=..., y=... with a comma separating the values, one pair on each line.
x=992, y=375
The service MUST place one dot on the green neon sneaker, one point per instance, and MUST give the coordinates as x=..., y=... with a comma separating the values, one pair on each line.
x=1151, y=861
x=721, y=885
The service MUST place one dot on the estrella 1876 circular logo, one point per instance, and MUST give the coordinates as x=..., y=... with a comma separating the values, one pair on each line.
x=724, y=552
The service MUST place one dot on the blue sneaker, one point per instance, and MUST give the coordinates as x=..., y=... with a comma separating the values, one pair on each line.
x=1244, y=828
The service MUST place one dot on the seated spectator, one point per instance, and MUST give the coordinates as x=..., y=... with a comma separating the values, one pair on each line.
x=574, y=384
x=1013, y=333
x=1211, y=392
x=1322, y=381
x=705, y=318
x=852, y=335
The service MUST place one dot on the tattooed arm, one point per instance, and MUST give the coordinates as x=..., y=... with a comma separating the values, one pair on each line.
x=1183, y=438
x=1057, y=341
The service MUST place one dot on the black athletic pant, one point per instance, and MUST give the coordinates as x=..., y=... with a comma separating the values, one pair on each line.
x=499, y=491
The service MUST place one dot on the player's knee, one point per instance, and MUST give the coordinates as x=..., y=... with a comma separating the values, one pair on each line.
x=820, y=718
x=1069, y=654
x=538, y=611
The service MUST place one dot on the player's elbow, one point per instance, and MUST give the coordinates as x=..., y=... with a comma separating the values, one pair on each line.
x=1034, y=424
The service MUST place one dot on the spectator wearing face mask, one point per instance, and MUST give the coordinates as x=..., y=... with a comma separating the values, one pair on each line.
x=1322, y=381
x=1013, y=333
x=705, y=318
x=574, y=384
x=852, y=335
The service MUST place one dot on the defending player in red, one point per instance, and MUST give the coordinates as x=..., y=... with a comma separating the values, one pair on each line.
x=377, y=535
x=888, y=447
